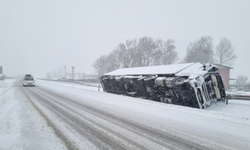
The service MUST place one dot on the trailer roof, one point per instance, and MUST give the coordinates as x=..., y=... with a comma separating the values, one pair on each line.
x=194, y=70
x=151, y=70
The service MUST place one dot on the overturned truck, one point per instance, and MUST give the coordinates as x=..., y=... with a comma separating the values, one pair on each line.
x=191, y=84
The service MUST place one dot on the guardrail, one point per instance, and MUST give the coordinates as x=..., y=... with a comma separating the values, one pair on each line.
x=75, y=82
x=239, y=97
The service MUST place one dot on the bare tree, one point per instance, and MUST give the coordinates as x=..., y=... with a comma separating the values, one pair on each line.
x=248, y=85
x=200, y=51
x=99, y=65
x=111, y=62
x=167, y=54
x=224, y=53
x=242, y=80
x=126, y=53
x=146, y=51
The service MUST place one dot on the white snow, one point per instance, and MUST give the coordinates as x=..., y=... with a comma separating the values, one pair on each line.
x=234, y=110
x=21, y=126
x=162, y=69
x=240, y=93
x=187, y=69
x=219, y=122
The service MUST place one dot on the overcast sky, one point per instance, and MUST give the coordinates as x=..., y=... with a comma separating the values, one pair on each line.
x=38, y=36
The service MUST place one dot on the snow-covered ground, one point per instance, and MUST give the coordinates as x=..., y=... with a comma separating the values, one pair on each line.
x=237, y=108
x=21, y=125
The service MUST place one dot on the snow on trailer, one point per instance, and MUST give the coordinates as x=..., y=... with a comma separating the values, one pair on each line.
x=190, y=84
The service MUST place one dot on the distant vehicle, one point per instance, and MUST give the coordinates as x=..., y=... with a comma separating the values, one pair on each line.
x=28, y=80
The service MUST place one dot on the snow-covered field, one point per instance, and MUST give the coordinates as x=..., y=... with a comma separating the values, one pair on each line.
x=22, y=127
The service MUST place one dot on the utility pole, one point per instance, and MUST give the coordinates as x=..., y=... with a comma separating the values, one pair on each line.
x=73, y=68
x=65, y=71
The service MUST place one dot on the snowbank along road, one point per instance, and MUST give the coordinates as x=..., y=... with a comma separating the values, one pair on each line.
x=85, y=119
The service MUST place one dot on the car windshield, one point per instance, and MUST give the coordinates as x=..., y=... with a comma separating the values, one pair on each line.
x=29, y=78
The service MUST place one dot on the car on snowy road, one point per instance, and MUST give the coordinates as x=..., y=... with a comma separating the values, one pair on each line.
x=28, y=80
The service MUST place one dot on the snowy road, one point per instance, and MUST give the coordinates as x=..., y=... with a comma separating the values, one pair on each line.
x=83, y=118
x=100, y=126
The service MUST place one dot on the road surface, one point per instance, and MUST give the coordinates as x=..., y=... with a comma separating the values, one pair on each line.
x=93, y=121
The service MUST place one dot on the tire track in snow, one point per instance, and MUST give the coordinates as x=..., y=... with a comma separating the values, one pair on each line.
x=72, y=108
x=166, y=140
x=79, y=125
x=106, y=137
x=154, y=136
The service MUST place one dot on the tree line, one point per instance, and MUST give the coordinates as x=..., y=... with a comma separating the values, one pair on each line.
x=137, y=53
x=202, y=50
x=147, y=51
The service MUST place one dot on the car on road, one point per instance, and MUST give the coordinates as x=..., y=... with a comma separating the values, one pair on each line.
x=28, y=80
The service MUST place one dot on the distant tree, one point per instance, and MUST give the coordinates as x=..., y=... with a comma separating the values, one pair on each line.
x=146, y=52
x=242, y=80
x=200, y=51
x=100, y=65
x=167, y=54
x=126, y=53
x=137, y=53
x=224, y=53
x=248, y=85
x=111, y=62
